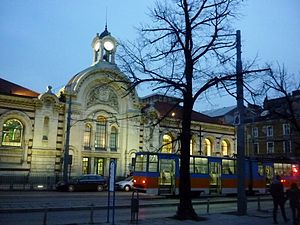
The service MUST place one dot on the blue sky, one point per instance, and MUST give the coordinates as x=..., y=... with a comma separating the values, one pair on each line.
x=46, y=42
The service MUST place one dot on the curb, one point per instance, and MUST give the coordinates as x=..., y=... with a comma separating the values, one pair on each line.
x=98, y=207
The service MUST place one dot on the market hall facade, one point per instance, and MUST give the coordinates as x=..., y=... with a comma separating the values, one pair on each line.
x=107, y=123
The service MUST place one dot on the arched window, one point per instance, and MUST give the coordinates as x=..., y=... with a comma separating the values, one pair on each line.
x=113, y=139
x=167, y=144
x=100, y=135
x=87, y=136
x=12, y=133
x=225, y=148
x=46, y=128
x=207, y=147
x=192, y=147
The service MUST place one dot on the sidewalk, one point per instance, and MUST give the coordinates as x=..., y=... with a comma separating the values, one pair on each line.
x=214, y=216
x=252, y=218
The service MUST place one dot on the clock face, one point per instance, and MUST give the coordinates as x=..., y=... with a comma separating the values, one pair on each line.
x=97, y=46
x=108, y=45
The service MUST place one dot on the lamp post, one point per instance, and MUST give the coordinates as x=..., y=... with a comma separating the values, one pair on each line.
x=66, y=160
x=242, y=199
x=239, y=121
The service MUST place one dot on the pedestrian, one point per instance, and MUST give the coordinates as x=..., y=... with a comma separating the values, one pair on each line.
x=277, y=192
x=294, y=195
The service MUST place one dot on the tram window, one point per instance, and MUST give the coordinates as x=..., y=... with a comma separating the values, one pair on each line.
x=260, y=169
x=228, y=166
x=153, y=163
x=192, y=165
x=141, y=163
x=287, y=168
x=283, y=169
x=201, y=165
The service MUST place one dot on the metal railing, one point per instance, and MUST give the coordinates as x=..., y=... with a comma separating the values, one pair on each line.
x=28, y=182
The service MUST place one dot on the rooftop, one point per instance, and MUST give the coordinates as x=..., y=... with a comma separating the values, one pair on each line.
x=9, y=88
x=219, y=112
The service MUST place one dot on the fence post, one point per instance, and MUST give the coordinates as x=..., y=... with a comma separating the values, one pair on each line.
x=92, y=214
x=134, y=207
x=207, y=206
x=45, y=216
x=258, y=203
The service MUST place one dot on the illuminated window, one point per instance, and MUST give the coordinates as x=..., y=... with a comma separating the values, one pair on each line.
x=192, y=146
x=207, y=147
x=99, y=166
x=198, y=165
x=167, y=144
x=85, y=165
x=100, y=135
x=283, y=169
x=141, y=163
x=113, y=139
x=229, y=166
x=12, y=133
x=87, y=136
x=224, y=148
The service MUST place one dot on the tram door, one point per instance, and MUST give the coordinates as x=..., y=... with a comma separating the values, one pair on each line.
x=269, y=174
x=167, y=176
x=215, y=177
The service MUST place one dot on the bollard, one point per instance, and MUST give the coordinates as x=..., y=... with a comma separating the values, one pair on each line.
x=258, y=203
x=134, y=207
x=45, y=216
x=207, y=206
x=92, y=214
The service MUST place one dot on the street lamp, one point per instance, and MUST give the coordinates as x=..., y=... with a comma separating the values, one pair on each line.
x=242, y=200
x=67, y=143
x=239, y=122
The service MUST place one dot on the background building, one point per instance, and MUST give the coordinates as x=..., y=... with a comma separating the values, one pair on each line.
x=106, y=123
x=270, y=131
x=275, y=131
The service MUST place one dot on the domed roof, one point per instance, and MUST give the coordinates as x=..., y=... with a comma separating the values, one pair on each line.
x=104, y=33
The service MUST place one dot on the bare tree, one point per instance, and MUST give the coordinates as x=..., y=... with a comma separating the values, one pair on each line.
x=285, y=88
x=279, y=84
x=183, y=53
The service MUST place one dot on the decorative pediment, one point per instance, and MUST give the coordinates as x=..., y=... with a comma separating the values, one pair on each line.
x=103, y=95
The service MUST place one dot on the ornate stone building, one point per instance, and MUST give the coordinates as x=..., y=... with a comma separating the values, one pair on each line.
x=106, y=123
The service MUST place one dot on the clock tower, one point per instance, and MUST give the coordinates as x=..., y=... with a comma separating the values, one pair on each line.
x=104, y=47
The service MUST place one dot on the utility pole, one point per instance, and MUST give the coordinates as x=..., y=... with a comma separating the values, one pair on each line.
x=242, y=199
x=67, y=143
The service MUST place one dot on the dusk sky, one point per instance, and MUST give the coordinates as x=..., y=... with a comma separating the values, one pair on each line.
x=46, y=42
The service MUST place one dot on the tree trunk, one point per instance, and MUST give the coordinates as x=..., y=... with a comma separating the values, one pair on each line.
x=185, y=208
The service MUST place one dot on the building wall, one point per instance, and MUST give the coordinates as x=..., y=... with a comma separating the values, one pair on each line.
x=34, y=155
x=278, y=138
x=99, y=104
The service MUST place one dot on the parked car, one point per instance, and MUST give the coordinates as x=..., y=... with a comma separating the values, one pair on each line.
x=90, y=182
x=125, y=185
